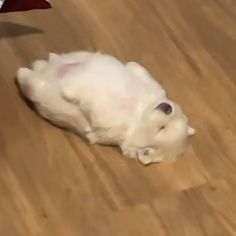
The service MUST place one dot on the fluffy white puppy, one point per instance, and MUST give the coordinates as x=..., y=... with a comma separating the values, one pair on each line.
x=107, y=102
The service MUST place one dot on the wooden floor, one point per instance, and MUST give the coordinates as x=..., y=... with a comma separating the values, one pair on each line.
x=54, y=184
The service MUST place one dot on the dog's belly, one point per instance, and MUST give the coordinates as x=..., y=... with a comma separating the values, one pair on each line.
x=105, y=91
x=110, y=109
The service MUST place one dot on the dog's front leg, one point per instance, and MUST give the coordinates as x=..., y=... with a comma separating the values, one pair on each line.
x=82, y=123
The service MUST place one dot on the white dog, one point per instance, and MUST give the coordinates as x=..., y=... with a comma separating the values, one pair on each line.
x=107, y=102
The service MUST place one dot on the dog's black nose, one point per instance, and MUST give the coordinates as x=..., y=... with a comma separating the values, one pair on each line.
x=165, y=107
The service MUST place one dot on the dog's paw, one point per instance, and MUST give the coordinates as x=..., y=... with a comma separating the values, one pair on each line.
x=92, y=137
x=129, y=152
x=138, y=70
x=39, y=65
x=191, y=131
x=53, y=56
x=23, y=73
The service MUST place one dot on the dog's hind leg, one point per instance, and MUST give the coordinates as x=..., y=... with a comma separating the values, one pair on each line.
x=28, y=84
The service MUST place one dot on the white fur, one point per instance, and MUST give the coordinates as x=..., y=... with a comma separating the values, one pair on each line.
x=107, y=102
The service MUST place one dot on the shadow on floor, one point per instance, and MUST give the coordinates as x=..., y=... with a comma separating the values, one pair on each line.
x=9, y=29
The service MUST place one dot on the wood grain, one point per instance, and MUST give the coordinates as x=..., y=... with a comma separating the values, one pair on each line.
x=53, y=183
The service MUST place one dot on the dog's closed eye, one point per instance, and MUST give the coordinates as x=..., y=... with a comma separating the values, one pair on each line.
x=161, y=129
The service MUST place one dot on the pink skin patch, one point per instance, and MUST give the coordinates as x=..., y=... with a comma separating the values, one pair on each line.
x=127, y=103
x=63, y=69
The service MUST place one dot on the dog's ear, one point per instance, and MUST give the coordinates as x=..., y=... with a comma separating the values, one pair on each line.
x=145, y=155
x=150, y=155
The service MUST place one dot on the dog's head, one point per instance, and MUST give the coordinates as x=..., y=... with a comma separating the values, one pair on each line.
x=161, y=134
